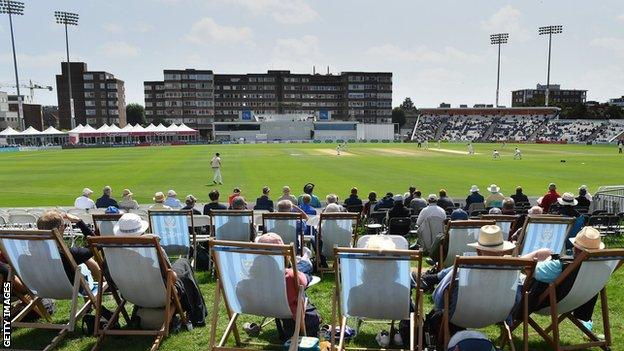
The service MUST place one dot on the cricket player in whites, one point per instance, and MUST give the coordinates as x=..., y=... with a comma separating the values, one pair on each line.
x=470, y=149
x=517, y=154
x=495, y=155
x=215, y=163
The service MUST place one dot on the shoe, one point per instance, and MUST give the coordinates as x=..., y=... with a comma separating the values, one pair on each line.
x=589, y=325
x=214, y=181
x=383, y=339
x=398, y=340
x=428, y=282
x=220, y=183
x=252, y=329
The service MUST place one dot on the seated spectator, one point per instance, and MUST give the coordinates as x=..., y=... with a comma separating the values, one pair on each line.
x=286, y=206
x=509, y=206
x=190, y=204
x=417, y=203
x=333, y=199
x=172, y=200
x=495, y=211
x=84, y=201
x=235, y=193
x=459, y=215
x=263, y=202
x=587, y=195
x=353, y=199
x=314, y=200
x=550, y=197
x=495, y=199
x=582, y=199
x=238, y=204
x=372, y=200
x=445, y=201
x=398, y=209
x=159, y=202
x=127, y=202
x=410, y=196
x=332, y=208
x=106, y=200
x=385, y=203
x=432, y=210
x=474, y=197
x=305, y=205
x=214, y=203
x=519, y=197
x=286, y=195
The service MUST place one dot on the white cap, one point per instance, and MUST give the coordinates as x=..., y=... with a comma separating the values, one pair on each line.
x=87, y=191
x=171, y=193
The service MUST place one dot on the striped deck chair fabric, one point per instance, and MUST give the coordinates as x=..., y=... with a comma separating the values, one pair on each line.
x=173, y=229
x=547, y=232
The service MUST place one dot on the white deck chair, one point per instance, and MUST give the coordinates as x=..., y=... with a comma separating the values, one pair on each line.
x=24, y=218
x=427, y=231
x=487, y=288
x=399, y=241
x=285, y=225
x=142, y=276
x=376, y=284
x=458, y=235
x=251, y=278
x=594, y=269
x=233, y=225
x=173, y=229
x=35, y=257
x=335, y=230
x=544, y=232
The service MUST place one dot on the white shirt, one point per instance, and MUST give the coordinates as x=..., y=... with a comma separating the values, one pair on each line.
x=215, y=162
x=432, y=210
x=84, y=203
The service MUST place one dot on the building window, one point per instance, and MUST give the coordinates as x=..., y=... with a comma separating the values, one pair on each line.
x=87, y=76
x=88, y=85
x=90, y=112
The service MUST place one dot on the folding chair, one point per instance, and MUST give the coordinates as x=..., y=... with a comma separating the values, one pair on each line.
x=233, y=225
x=457, y=236
x=427, y=232
x=24, y=218
x=104, y=223
x=287, y=225
x=335, y=230
x=399, y=225
x=376, y=284
x=35, y=257
x=487, y=288
x=505, y=222
x=399, y=241
x=355, y=208
x=593, y=270
x=544, y=232
x=250, y=277
x=143, y=277
x=173, y=229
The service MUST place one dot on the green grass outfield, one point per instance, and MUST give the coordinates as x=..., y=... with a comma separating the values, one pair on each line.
x=56, y=178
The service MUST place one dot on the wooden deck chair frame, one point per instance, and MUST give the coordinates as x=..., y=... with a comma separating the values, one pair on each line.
x=334, y=216
x=502, y=218
x=172, y=307
x=474, y=224
x=548, y=219
x=490, y=262
x=35, y=301
x=415, y=317
x=556, y=318
x=284, y=216
x=192, y=234
x=289, y=253
x=232, y=213
x=103, y=218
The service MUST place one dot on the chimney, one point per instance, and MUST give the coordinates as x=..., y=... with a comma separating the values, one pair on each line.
x=313, y=70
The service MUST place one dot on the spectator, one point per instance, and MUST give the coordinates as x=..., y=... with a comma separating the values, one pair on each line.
x=444, y=201
x=305, y=205
x=495, y=199
x=172, y=200
x=550, y=197
x=587, y=194
x=417, y=203
x=398, y=209
x=509, y=206
x=314, y=200
x=235, y=193
x=459, y=215
x=106, y=201
x=495, y=211
x=159, y=199
x=127, y=202
x=372, y=200
x=582, y=199
x=333, y=199
x=353, y=199
x=263, y=202
x=432, y=210
x=474, y=197
x=519, y=197
x=286, y=195
x=409, y=197
x=84, y=201
x=286, y=206
x=190, y=204
x=214, y=203
x=567, y=202
x=238, y=204
x=333, y=208
x=385, y=203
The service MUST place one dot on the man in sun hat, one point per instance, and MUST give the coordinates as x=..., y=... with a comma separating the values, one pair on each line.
x=84, y=201
x=172, y=200
x=584, y=198
x=474, y=197
x=495, y=199
x=567, y=202
x=550, y=197
x=159, y=199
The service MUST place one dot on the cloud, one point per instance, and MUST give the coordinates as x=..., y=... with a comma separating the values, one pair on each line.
x=207, y=30
x=506, y=19
x=614, y=44
x=423, y=54
x=296, y=53
x=112, y=28
x=282, y=11
x=621, y=17
x=119, y=50
x=143, y=27
x=44, y=60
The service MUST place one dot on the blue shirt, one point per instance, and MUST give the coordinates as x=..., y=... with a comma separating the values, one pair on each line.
x=309, y=210
x=548, y=271
x=172, y=202
x=314, y=201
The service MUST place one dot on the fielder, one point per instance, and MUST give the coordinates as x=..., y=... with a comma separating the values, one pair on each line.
x=495, y=155
x=470, y=149
x=215, y=163
x=517, y=154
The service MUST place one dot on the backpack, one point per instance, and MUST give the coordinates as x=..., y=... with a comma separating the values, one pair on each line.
x=312, y=322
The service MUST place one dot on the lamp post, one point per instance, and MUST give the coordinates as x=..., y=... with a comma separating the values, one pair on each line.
x=11, y=8
x=498, y=39
x=68, y=19
x=550, y=30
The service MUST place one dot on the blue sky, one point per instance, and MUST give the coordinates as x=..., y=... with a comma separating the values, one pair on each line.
x=437, y=50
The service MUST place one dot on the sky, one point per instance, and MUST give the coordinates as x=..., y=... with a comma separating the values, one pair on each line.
x=438, y=51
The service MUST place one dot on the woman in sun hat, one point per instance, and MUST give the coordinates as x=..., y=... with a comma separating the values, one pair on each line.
x=127, y=202
x=159, y=199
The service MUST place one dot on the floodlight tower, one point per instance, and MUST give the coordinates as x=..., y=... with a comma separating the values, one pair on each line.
x=68, y=19
x=550, y=30
x=11, y=8
x=498, y=39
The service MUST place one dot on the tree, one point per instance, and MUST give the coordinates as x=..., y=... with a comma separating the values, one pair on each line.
x=407, y=105
x=398, y=116
x=614, y=112
x=135, y=114
x=160, y=120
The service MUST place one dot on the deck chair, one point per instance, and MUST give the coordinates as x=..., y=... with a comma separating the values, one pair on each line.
x=478, y=206
x=286, y=226
x=173, y=229
x=250, y=277
x=104, y=223
x=143, y=277
x=335, y=230
x=457, y=236
x=505, y=222
x=376, y=284
x=544, y=232
x=35, y=256
x=487, y=288
x=427, y=232
x=399, y=241
x=233, y=225
x=594, y=269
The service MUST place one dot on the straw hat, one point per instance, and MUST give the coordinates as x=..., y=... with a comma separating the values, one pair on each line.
x=491, y=238
x=126, y=192
x=159, y=197
x=493, y=188
x=474, y=189
x=130, y=224
x=567, y=199
x=588, y=239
